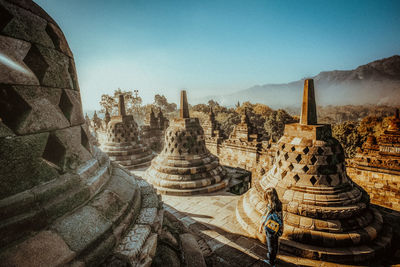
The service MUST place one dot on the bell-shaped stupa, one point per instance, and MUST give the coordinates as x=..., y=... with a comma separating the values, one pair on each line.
x=326, y=215
x=122, y=142
x=62, y=202
x=185, y=166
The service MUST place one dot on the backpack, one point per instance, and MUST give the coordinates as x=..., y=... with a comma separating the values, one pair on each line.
x=273, y=224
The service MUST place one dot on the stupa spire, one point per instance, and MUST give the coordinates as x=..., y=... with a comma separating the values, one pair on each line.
x=121, y=106
x=184, y=108
x=309, y=108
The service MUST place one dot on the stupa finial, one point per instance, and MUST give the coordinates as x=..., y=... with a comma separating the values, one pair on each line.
x=184, y=109
x=121, y=105
x=309, y=108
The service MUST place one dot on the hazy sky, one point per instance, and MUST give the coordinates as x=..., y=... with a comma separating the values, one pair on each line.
x=217, y=47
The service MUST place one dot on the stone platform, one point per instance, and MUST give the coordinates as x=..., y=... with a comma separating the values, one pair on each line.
x=212, y=216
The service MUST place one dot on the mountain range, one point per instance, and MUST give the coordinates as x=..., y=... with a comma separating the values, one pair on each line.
x=377, y=82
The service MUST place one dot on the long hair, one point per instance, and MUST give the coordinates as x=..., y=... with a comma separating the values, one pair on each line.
x=271, y=196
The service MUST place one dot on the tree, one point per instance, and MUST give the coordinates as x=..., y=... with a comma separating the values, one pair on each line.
x=275, y=123
x=133, y=104
x=162, y=102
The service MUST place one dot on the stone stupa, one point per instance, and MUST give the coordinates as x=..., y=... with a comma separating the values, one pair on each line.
x=326, y=215
x=185, y=166
x=376, y=166
x=122, y=142
x=62, y=202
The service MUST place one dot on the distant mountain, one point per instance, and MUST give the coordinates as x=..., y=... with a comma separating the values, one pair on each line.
x=377, y=82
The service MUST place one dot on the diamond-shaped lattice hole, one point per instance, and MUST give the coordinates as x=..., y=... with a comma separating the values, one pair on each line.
x=296, y=178
x=84, y=139
x=329, y=179
x=180, y=151
x=298, y=158
x=313, y=160
x=65, y=105
x=5, y=17
x=280, y=163
x=286, y=156
x=290, y=167
x=293, y=148
x=320, y=150
x=36, y=62
x=284, y=174
x=313, y=180
x=305, y=169
x=13, y=108
x=329, y=159
x=306, y=150
x=283, y=146
x=54, y=152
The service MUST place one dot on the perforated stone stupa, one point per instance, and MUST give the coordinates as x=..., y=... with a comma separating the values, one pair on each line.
x=327, y=216
x=185, y=166
x=376, y=166
x=122, y=144
x=62, y=201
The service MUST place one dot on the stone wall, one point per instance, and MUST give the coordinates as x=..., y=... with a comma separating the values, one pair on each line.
x=255, y=157
x=383, y=188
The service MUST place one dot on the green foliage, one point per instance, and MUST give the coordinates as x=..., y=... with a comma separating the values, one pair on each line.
x=353, y=134
x=275, y=123
x=161, y=101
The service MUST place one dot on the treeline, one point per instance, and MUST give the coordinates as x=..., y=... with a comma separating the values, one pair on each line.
x=350, y=124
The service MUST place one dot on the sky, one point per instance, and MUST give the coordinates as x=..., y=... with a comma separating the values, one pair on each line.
x=218, y=47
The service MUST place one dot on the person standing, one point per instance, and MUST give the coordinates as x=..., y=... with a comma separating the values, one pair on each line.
x=272, y=223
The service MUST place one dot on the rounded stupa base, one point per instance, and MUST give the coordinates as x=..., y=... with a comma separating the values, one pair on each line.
x=249, y=218
x=193, y=191
x=129, y=156
x=104, y=207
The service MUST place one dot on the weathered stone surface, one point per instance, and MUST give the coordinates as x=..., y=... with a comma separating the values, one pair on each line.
x=18, y=72
x=20, y=157
x=61, y=201
x=149, y=248
x=308, y=108
x=130, y=246
x=191, y=251
x=26, y=25
x=166, y=257
x=43, y=249
x=44, y=113
x=82, y=227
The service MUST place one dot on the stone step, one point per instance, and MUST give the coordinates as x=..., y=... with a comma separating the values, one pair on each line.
x=195, y=191
x=99, y=178
x=185, y=184
x=146, y=158
x=131, y=157
x=138, y=166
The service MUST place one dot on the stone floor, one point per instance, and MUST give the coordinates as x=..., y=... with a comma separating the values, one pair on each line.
x=212, y=216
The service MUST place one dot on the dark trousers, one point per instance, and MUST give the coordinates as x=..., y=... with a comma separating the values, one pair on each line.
x=272, y=245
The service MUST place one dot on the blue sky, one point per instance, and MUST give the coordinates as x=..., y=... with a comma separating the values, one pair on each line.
x=217, y=47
